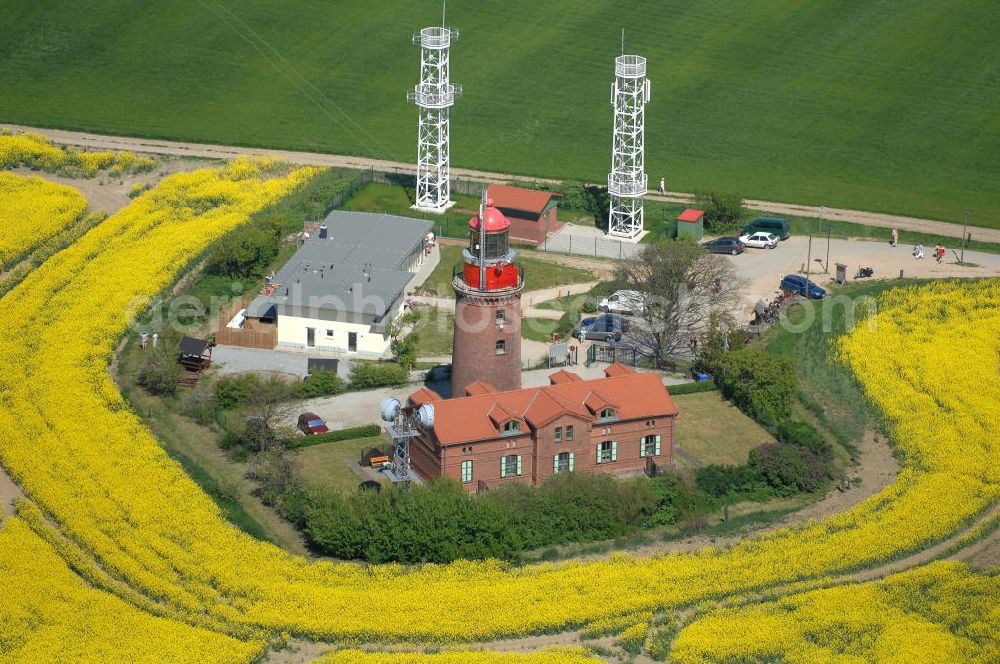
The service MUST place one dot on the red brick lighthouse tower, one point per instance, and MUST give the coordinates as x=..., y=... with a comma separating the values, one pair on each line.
x=487, y=307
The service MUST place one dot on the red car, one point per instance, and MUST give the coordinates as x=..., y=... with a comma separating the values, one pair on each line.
x=311, y=424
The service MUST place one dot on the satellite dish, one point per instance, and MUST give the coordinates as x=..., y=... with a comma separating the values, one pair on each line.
x=426, y=416
x=389, y=409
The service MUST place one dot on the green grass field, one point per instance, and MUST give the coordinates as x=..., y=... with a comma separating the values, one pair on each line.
x=329, y=464
x=712, y=430
x=394, y=199
x=879, y=105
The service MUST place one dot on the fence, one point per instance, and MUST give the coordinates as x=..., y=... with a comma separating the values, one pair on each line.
x=231, y=336
x=585, y=245
x=609, y=355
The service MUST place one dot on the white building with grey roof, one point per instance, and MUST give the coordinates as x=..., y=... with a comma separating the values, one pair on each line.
x=345, y=283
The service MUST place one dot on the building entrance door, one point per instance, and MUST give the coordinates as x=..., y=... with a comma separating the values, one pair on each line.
x=352, y=341
x=310, y=337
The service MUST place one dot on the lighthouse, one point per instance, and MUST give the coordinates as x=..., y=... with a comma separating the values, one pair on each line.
x=487, y=307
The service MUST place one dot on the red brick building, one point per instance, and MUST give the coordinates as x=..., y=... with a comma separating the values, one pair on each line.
x=532, y=214
x=621, y=424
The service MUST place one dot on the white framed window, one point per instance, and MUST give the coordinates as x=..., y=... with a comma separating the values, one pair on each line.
x=329, y=333
x=501, y=317
x=650, y=446
x=510, y=465
x=562, y=463
x=501, y=346
x=569, y=432
x=607, y=451
x=466, y=472
x=558, y=434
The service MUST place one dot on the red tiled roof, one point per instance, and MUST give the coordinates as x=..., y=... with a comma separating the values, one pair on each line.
x=479, y=387
x=563, y=376
x=691, y=215
x=618, y=369
x=424, y=395
x=516, y=198
x=476, y=417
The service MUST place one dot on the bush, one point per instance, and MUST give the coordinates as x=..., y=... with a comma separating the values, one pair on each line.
x=802, y=434
x=788, y=469
x=693, y=388
x=231, y=392
x=721, y=481
x=351, y=433
x=369, y=375
x=321, y=383
x=762, y=385
x=161, y=369
x=723, y=212
x=676, y=498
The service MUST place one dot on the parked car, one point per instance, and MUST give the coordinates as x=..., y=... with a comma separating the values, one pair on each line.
x=627, y=302
x=777, y=225
x=311, y=424
x=796, y=283
x=760, y=240
x=602, y=328
x=726, y=245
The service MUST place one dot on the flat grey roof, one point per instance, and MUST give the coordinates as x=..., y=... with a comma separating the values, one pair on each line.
x=358, y=271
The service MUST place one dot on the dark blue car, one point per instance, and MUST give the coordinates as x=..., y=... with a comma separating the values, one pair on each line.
x=602, y=328
x=796, y=283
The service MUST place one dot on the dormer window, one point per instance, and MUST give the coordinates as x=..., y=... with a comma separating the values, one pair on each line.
x=513, y=426
x=607, y=414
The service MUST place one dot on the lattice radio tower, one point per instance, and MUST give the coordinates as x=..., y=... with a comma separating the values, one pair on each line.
x=627, y=179
x=434, y=96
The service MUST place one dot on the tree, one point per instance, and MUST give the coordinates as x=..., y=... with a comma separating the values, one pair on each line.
x=267, y=405
x=723, y=212
x=161, y=370
x=684, y=285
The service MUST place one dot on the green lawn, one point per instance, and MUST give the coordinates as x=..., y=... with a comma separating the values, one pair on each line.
x=538, y=329
x=879, y=105
x=712, y=430
x=540, y=271
x=436, y=329
x=329, y=464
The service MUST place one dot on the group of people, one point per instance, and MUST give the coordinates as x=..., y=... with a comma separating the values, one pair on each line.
x=144, y=339
x=918, y=248
x=918, y=252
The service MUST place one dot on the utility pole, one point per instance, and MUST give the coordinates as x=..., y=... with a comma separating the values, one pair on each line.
x=809, y=254
x=829, y=231
x=965, y=228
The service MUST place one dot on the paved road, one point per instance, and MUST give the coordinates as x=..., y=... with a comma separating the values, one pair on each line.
x=158, y=146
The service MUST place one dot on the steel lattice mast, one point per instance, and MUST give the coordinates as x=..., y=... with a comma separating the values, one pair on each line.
x=433, y=96
x=627, y=179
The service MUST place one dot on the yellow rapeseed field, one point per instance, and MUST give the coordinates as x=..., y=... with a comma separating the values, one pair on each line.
x=37, y=151
x=32, y=209
x=552, y=656
x=72, y=443
x=938, y=613
x=49, y=615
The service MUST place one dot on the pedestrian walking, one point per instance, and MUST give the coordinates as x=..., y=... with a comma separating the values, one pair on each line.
x=143, y=337
x=939, y=253
x=156, y=338
x=895, y=236
x=663, y=186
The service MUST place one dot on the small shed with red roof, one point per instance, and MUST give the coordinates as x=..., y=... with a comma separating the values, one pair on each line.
x=691, y=223
x=532, y=214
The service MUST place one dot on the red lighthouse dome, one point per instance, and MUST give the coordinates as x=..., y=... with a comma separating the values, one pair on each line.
x=495, y=219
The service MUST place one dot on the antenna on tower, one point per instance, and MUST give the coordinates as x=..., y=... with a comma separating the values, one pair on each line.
x=482, y=242
x=444, y=9
x=627, y=180
x=434, y=96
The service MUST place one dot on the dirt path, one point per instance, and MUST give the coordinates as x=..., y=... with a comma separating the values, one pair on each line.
x=9, y=491
x=204, y=150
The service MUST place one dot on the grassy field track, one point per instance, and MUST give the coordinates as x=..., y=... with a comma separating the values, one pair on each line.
x=881, y=106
